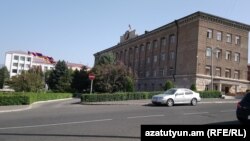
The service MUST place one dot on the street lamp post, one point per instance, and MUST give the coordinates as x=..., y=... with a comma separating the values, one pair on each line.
x=212, y=67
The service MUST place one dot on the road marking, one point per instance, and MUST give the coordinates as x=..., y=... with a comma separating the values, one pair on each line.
x=145, y=116
x=196, y=113
x=227, y=111
x=56, y=124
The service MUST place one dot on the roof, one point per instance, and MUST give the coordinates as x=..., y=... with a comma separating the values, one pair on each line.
x=18, y=52
x=40, y=60
x=196, y=15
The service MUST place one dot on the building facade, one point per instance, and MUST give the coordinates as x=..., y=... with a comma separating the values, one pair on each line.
x=18, y=61
x=202, y=49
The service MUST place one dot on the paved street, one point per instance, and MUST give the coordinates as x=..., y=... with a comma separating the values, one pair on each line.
x=69, y=120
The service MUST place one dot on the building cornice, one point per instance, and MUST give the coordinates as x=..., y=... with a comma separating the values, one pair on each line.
x=190, y=18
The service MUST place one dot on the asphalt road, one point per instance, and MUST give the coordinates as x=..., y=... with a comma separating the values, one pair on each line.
x=70, y=121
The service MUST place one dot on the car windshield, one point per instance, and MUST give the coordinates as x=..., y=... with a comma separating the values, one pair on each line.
x=170, y=91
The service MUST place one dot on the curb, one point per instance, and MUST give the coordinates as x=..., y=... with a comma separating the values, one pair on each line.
x=30, y=106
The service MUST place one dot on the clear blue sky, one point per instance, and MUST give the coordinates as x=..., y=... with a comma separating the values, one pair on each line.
x=73, y=30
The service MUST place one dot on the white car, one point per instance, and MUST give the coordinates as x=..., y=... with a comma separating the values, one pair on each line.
x=177, y=96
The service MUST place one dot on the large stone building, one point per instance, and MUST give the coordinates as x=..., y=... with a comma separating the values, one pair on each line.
x=202, y=49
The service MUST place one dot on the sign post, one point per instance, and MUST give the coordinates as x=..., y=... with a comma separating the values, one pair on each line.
x=91, y=77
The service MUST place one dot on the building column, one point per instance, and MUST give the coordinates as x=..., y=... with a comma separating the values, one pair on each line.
x=219, y=88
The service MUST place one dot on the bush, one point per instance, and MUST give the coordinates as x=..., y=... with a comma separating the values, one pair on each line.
x=29, y=98
x=210, y=94
x=193, y=87
x=117, y=96
x=168, y=85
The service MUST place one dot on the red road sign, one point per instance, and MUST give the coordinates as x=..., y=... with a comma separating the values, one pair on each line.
x=91, y=76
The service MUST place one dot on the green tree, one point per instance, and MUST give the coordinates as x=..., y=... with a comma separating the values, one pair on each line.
x=60, y=78
x=28, y=81
x=4, y=76
x=80, y=80
x=168, y=85
x=193, y=87
x=106, y=58
x=111, y=76
x=129, y=84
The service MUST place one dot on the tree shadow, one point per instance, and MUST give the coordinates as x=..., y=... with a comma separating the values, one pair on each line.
x=69, y=135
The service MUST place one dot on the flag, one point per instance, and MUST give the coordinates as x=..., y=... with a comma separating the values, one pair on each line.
x=129, y=26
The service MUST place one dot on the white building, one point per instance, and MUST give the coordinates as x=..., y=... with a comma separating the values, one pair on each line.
x=17, y=61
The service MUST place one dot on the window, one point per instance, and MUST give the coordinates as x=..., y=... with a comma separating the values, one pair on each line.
x=218, y=53
x=236, y=74
x=209, y=33
x=171, y=55
x=16, y=57
x=14, y=71
x=155, y=44
x=229, y=38
x=148, y=46
x=161, y=72
x=28, y=66
x=15, y=64
x=22, y=58
x=45, y=68
x=142, y=48
x=155, y=73
x=148, y=60
x=237, y=40
x=228, y=73
x=163, y=42
x=28, y=59
x=219, y=36
x=208, y=70
x=187, y=92
x=163, y=57
x=218, y=72
x=208, y=51
x=155, y=58
x=22, y=66
x=172, y=38
x=236, y=57
x=228, y=55
x=136, y=50
x=147, y=73
x=171, y=71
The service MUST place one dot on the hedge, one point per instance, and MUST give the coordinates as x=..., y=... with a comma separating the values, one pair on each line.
x=121, y=96
x=29, y=98
x=210, y=94
x=117, y=96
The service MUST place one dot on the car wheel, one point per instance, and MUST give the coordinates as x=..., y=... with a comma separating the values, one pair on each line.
x=170, y=102
x=194, y=102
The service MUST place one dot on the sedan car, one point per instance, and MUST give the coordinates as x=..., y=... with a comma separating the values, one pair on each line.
x=243, y=109
x=177, y=96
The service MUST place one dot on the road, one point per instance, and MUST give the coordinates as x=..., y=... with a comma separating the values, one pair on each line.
x=69, y=120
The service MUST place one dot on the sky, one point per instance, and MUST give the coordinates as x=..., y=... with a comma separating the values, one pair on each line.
x=74, y=30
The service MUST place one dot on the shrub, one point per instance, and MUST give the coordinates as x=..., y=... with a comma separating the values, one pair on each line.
x=210, y=94
x=117, y=96
x=193, y=87
x=168, y=85
x=29, y=98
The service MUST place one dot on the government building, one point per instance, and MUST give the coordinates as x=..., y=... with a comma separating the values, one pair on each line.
x=202, y=49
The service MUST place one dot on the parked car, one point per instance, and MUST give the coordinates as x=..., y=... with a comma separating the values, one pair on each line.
x=177, y=96
x=243, y=109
